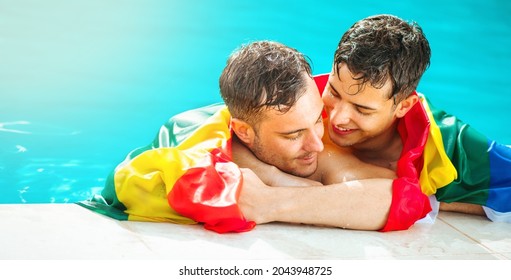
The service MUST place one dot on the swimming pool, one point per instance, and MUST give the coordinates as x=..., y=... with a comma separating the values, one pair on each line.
x=83, y=83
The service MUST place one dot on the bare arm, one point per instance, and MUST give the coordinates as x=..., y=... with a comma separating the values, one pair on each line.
x=460, y=207
x=360, y=205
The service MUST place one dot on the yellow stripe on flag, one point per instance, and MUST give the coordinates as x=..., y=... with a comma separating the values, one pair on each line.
x=438, y=170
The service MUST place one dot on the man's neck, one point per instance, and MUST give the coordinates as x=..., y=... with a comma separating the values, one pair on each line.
x=383, y=150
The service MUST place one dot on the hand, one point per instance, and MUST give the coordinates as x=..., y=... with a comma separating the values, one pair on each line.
x=252, y=199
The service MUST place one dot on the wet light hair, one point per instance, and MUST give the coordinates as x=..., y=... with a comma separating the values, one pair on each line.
x=263, y=75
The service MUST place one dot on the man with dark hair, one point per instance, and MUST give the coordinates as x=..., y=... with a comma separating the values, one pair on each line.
x=374, y=111
x=371, y=94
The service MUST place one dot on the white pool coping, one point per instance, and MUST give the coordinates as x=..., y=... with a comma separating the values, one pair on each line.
x=70, y=232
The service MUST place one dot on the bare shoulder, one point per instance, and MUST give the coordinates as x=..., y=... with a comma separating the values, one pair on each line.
x=334, y=157
x=338, y=164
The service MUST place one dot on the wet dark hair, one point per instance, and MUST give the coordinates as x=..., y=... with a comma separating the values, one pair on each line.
x=263, y=75
x=384, y=46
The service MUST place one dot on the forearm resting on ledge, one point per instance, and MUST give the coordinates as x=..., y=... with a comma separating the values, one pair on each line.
x=361, y=205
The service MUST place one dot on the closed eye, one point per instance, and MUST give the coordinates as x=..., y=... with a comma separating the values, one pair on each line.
x=331, y=90
x=363, y=111
x=293, y=135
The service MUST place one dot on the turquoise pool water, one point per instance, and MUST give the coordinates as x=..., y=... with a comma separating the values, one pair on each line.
x=84, y=82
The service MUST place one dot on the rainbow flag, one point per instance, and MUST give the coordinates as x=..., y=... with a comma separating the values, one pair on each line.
x=186, y=175
x=483, y=165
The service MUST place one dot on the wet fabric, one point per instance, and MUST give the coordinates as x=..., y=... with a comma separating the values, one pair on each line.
x=186, y=175
x=484, y=166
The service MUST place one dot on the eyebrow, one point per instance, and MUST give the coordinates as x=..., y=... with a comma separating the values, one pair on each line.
x=356, y=104
x=302, y=129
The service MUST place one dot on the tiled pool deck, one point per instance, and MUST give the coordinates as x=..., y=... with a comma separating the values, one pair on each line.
x=70, y=232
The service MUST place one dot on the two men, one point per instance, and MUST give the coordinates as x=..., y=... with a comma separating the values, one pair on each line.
x=189, y=173
x=375, y=117
x=375, y=112
x=277, y=113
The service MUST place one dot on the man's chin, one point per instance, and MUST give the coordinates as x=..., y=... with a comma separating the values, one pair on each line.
x=343, y=143
x=304, y=173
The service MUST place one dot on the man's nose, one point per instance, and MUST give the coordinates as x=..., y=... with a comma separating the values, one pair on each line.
x=314, y=142
x=340, y=114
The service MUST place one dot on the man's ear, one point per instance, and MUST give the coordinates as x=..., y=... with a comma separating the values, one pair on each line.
x=405, y=105
x=243, y=130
